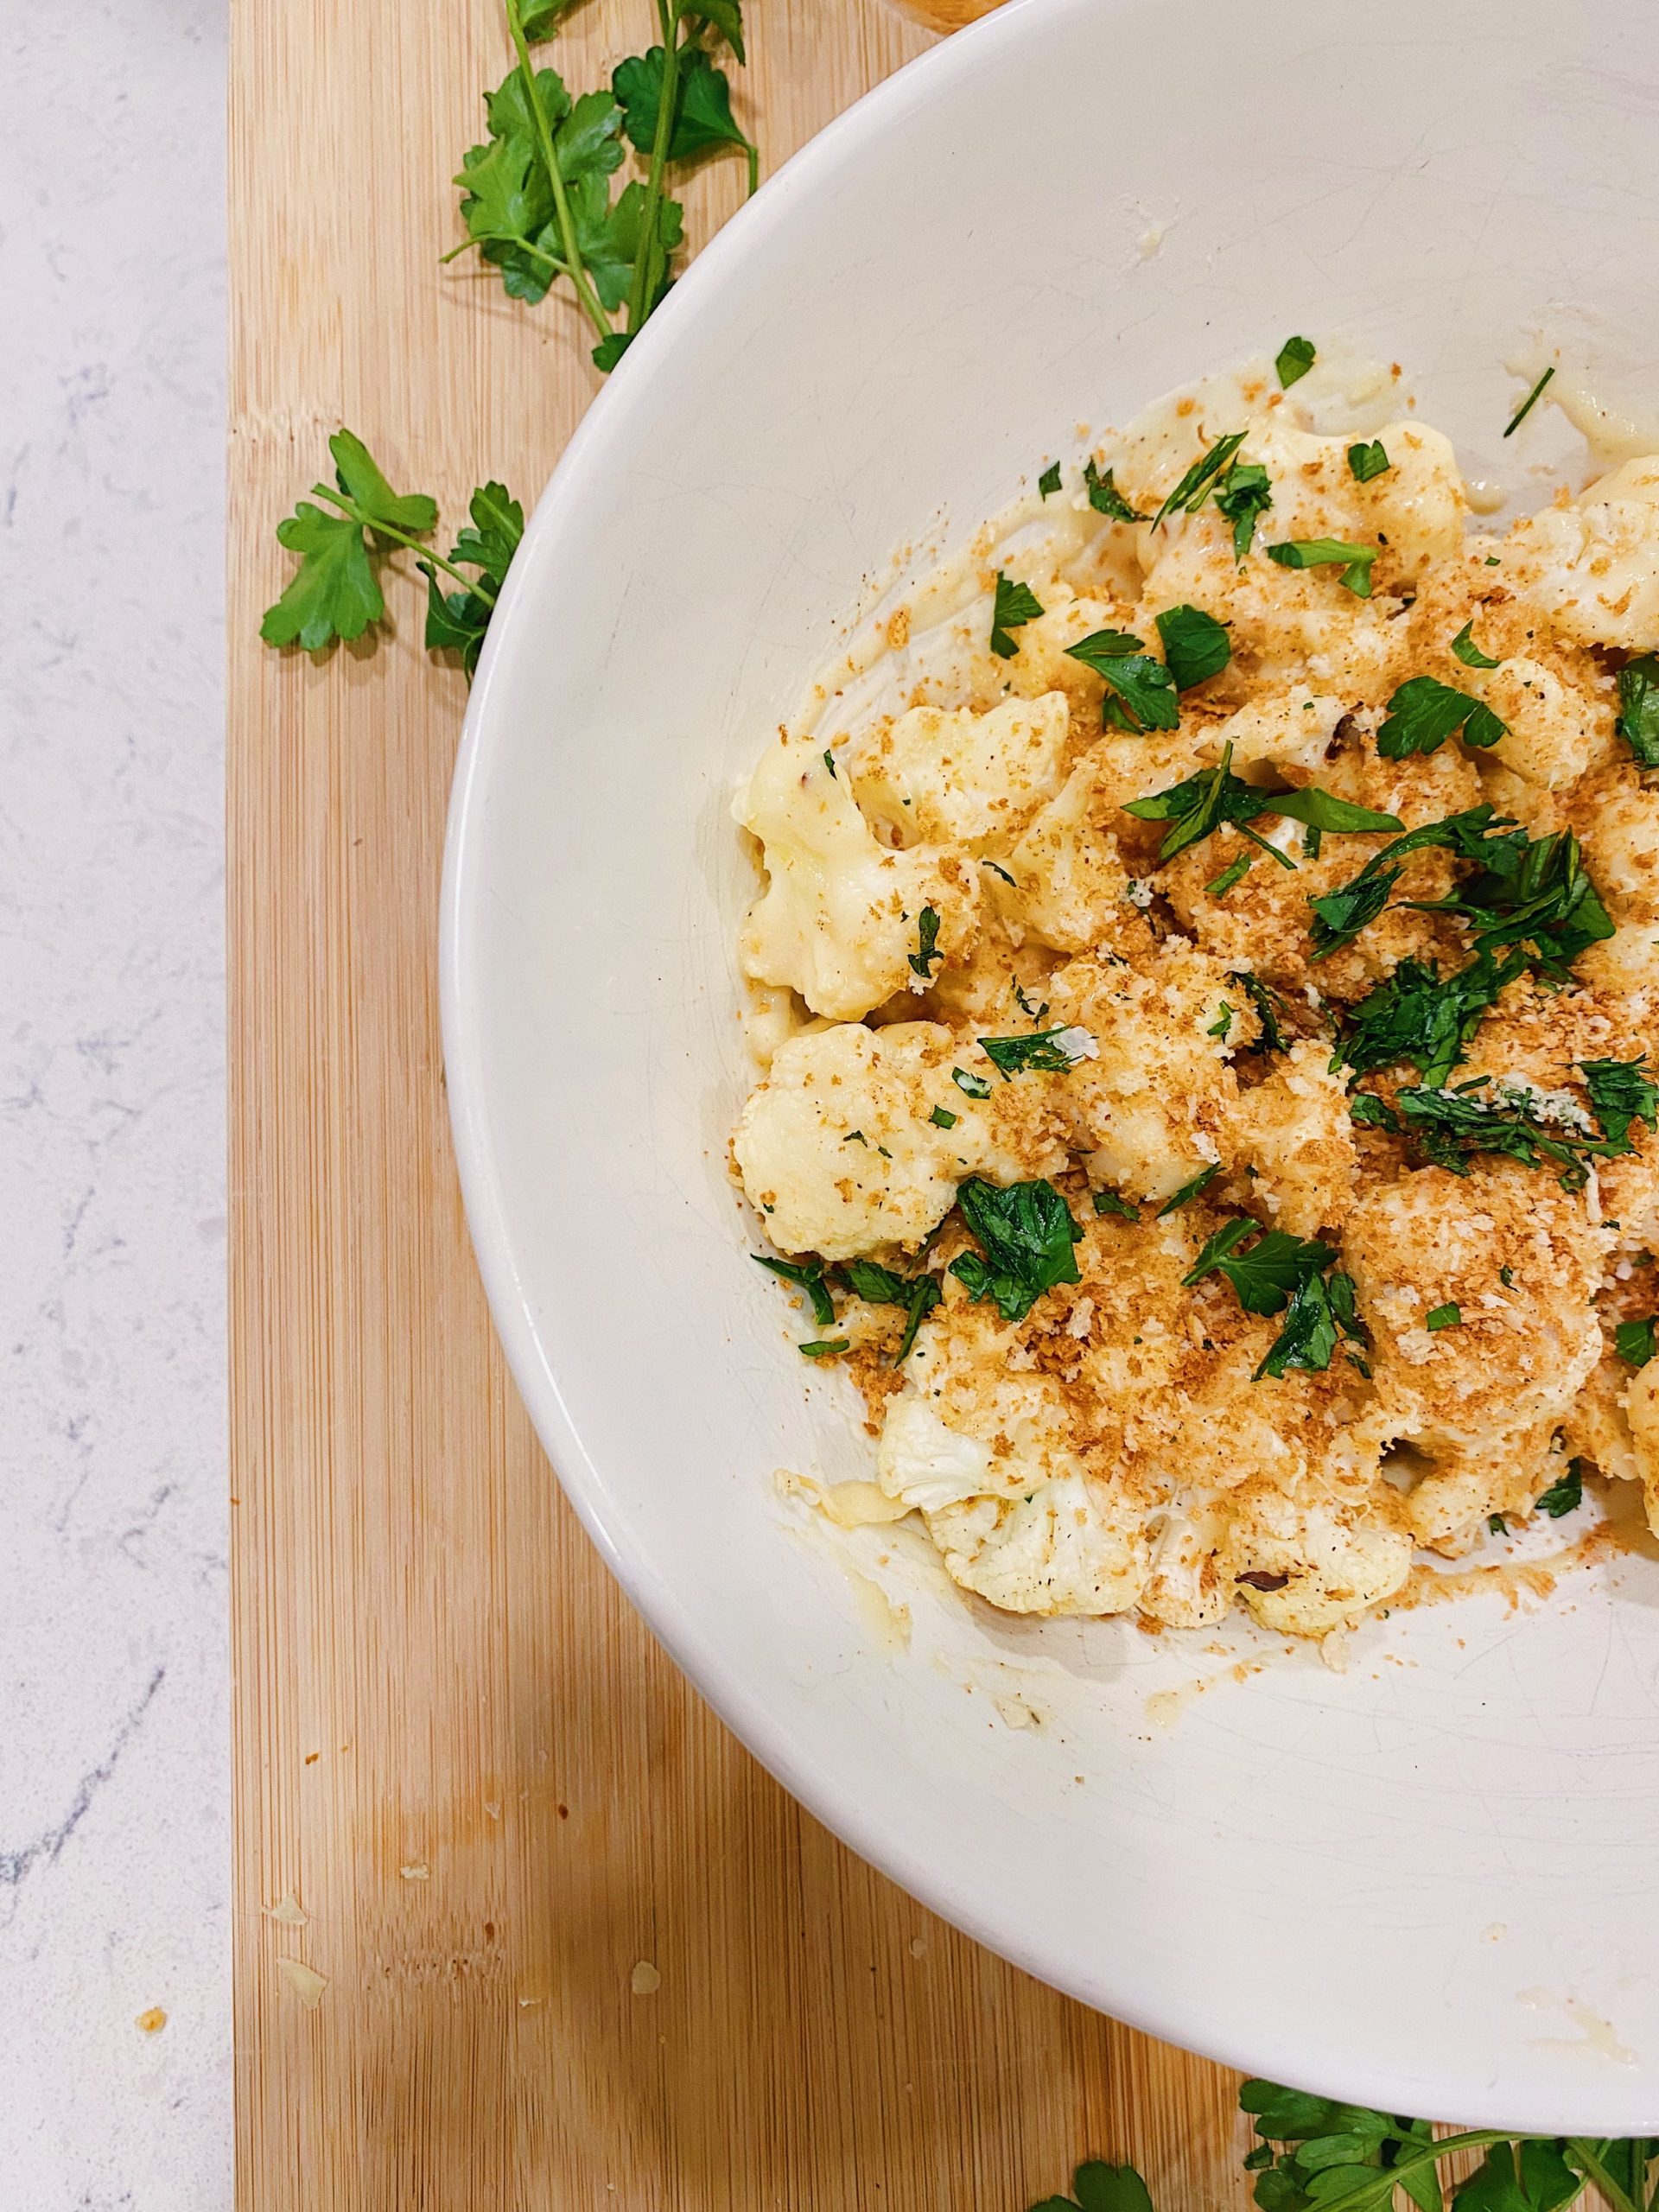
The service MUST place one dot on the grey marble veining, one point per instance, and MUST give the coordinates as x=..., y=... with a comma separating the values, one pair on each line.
x=113, y=1692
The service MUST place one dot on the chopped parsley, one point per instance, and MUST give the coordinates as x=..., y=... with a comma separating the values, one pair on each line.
x=1108, y=1202
x=1200, y=481
x=1245, y=495
x=942, y=1118
x=916, y=1294
x=1139, y=690
x=1222, y=1025
x=1638, y=707
x=1202, y=803
x=1564, y=1496
x=826, y=1347
x=1419, y=1015
x=1355, y=561
x=1105, y=498
x=1281, y=1273
x=1032, y=1012
x=1528, y=403
x=927, y=933
x=1469, y=653
x=1368, y=460
x=1049, y=479
x=1045, y=1052
x=1451, y=1127
x=830, y=761
x=1026, y=1233
x=1533, y=891
x=976, y=1086
x=1016, y=604
x=1424, y=712
x=1188, y=1191
x=1633, y=1341
x=1002, y=872
x=1196, y=645
x=1621, y=1091
x=1443, y=1317
x=1294, y=360
x=1339, y=915
x=1233, y=873
x=1268, y=1005
x=807, y=1275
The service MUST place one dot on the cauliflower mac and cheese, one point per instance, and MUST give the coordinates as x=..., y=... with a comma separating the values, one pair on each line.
x=1215, y=1125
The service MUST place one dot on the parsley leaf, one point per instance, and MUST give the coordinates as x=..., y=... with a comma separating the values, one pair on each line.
x=1026, y=1232
x=1564, y=1496
x=1105, y=498
x=1188, y=1191
x=1230, y=877
x=1245, y=495
x=1294, y=360
x=1046, y=1051
x=807, y=1275
x=1469, y=653
x=1443, y=1317
x=975, y=1086
x=1638, y=707
x=1633, y=1341
x=1621, y=1091
x=1016, y=604
x=1339, y=915
x=1417, y=1014
x=1355, y=561
x=1368, y=460
x=1195, y=646
x=1267, y=1275
x=927, y=952
x=1424, y=712
x=1221, y=1026
x=825, y=1348
x=1139, y=690
x=456, y=620
x=942, y=1118
x=1200, y=804
x=1321, y=1313
x=1049, y=479
x=916, y=1294
x=1196, y=486
x=1110, y=1202
x=335, y=593
x=702, y=105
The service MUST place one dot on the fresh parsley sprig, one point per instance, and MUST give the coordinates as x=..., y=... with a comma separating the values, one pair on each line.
x=1339, y=915
x=1534, y=891
x=1314, y=2152
x=536, y=196
x=1016, y=604
x=1417, y=1014
x=335, y=591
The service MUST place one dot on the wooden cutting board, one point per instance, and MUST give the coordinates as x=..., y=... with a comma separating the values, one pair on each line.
x=579, y=1949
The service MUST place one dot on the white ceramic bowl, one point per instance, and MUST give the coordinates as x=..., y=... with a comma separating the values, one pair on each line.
x=1428, y=1883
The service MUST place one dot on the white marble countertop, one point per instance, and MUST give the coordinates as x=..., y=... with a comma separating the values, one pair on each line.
x=114, y=1815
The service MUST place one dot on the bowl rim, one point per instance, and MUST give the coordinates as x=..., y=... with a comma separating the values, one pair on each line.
x=1177, y=2015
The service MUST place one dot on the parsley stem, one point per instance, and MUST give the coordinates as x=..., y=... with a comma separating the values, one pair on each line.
x=646, y=266
x=515, y=238
x=480, y=586
x=1378, y=2189
x=584, y=289
x=1583, y=2155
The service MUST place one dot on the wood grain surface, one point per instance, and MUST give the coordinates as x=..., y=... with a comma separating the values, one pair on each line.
x=579, y=1949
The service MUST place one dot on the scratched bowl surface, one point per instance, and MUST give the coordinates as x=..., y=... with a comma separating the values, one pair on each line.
x=1427, y=1883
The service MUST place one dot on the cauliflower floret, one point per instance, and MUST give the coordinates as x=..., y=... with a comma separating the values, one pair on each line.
x=1627, y=961
x=1289, y=731
x=1293, y=1131
x=1617, y=815
x=1335, y=1560
x=1150, y=1105
x=950, y=776
x=1054, y=1552
x=1555, y=732
x=1508, y=1263
x=1071, y=889
x=1593, y=567
x=838, y=1147
x=840, y=918
x=1642, y=1412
